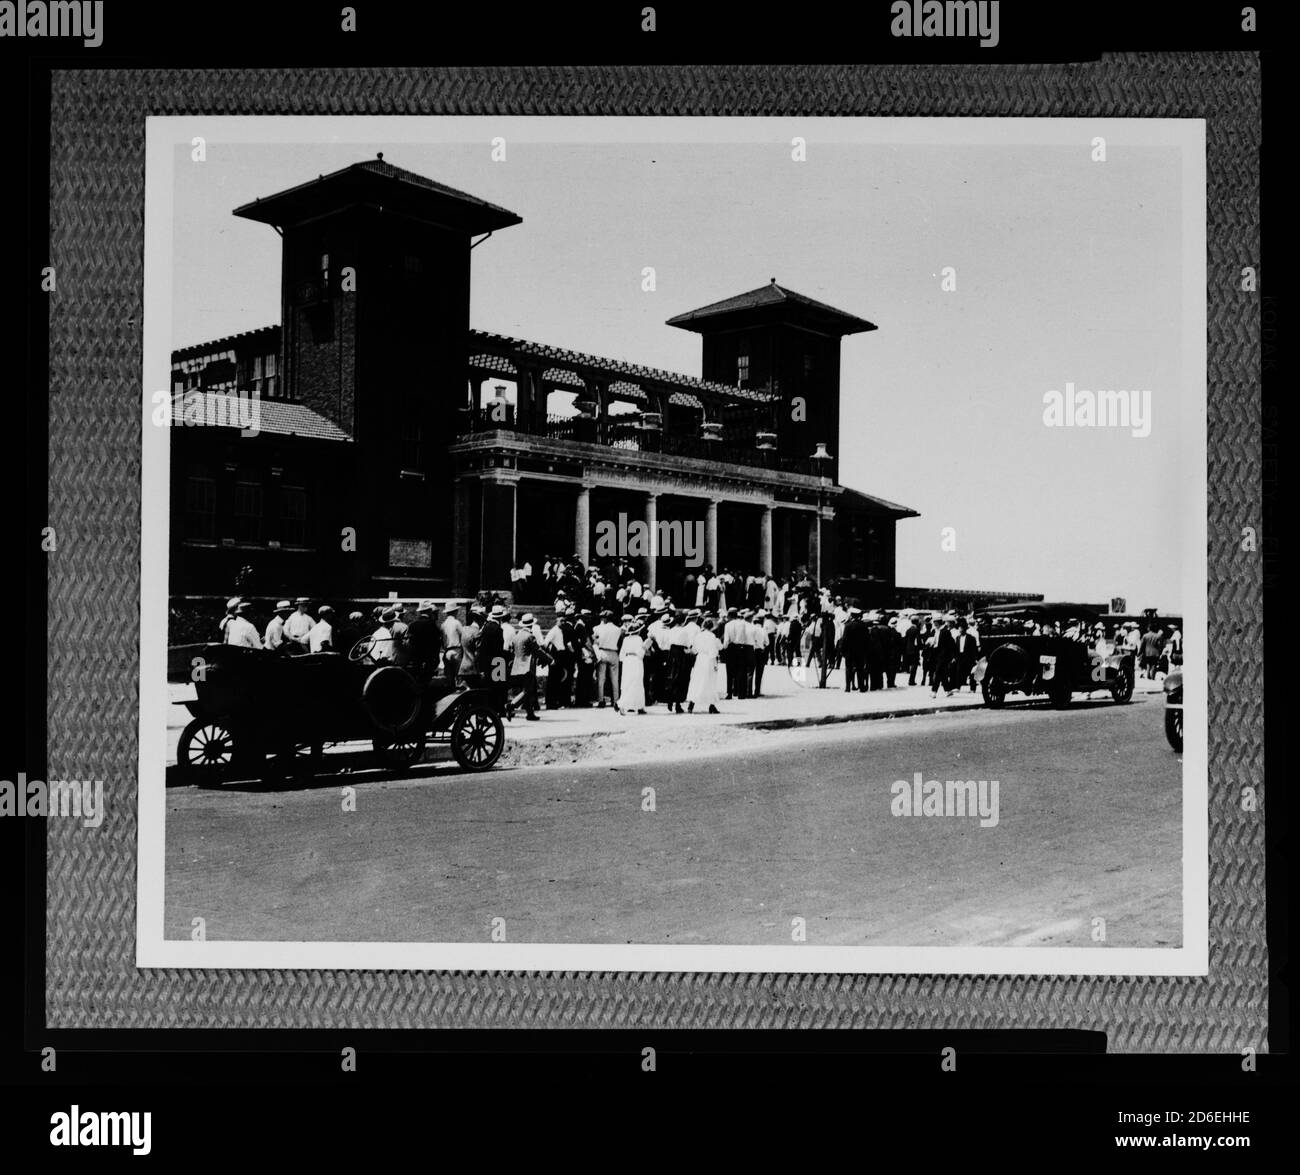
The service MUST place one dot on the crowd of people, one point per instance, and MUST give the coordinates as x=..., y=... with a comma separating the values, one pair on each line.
x=616, y=642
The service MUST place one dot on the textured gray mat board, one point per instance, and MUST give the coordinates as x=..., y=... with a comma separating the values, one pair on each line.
x=96, y=235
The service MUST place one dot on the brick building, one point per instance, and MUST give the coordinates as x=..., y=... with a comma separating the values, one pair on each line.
x=398, y=450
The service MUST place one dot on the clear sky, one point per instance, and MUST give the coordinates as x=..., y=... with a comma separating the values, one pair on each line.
x=1067, y=270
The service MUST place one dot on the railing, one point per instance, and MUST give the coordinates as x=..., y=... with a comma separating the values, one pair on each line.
x=625, y=434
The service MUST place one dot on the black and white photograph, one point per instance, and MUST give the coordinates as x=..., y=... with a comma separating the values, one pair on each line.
x=674, y=544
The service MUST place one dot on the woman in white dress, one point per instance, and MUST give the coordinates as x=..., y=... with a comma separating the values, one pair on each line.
x=631, y=675
x=703, y=688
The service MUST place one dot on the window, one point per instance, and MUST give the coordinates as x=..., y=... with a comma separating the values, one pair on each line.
x=324, y=272
x=247, y=510
x=262, y=380
x=742, y=369
x=200, y=506
x=293, y=515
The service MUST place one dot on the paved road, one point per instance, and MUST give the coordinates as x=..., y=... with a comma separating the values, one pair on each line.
x=1089, y=811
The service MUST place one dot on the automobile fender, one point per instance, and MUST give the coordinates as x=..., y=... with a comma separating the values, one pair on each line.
x=444, y=708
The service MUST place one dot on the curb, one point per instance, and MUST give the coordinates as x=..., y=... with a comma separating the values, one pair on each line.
x=834, y=719
x=574, y=742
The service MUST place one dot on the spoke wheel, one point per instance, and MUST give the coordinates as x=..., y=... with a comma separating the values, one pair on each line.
x=402, y=751
x=994, y=691
x=1122, y=689
x=206, y=752
x=477, y=738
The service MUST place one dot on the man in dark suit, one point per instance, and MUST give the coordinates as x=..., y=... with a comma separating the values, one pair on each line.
x=423, y=641
x=877, y=651
x=945, y=656
x=911, y=651
x=968, y=652
x=855, y=644
x=493, y=664
x=893, y=647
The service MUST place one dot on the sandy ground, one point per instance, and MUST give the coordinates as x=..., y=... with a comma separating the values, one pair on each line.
x=750, y=829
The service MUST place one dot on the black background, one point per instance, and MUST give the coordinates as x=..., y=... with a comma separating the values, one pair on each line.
x=1026, y=1096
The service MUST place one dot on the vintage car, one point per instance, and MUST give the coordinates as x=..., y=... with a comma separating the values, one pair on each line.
x=1174, y=709
x=265, y=714
x=1018, y=657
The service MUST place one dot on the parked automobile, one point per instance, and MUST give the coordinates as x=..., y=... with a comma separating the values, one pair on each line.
x=1174, y=709
x=1021, y=653
x=264, y=714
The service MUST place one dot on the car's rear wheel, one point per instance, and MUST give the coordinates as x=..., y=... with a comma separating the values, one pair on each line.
x=478, y=736
x=994, y=691
x=293, y=760
x=1174, y=727
x=1122, y=687
x=400, y=751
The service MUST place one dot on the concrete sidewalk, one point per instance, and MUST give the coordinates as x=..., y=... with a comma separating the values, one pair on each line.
x=573, y=734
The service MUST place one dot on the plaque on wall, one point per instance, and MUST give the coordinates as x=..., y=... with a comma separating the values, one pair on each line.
x=410, y=552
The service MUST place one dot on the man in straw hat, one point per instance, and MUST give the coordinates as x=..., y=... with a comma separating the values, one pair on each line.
x=298, y=626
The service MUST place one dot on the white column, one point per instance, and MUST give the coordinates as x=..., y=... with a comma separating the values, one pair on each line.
x=652, y=524
x=711, y=534
x=765, y=542
x=582, y=525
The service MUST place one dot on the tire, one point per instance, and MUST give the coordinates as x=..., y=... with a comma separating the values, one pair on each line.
x=300, y=760
x=1011, y=663
x=1122, y=689
x=1174, y=727
x=994, y=691
x=208, y=751
x=401, y=752
x=391, y=699
x=478, y=736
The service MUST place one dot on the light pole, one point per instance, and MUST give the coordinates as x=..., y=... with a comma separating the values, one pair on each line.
x=820, y=456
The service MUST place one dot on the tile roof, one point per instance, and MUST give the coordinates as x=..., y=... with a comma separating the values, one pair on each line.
x=493, y=359
x=772, y=295
x=267, y=337
x=278, y=417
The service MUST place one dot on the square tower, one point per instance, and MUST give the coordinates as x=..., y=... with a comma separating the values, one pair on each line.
x=787, y=344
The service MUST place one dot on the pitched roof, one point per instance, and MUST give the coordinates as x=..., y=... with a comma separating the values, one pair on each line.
x=278, y=417
x=772, y=295
x=395, y=188
x=851, y=497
